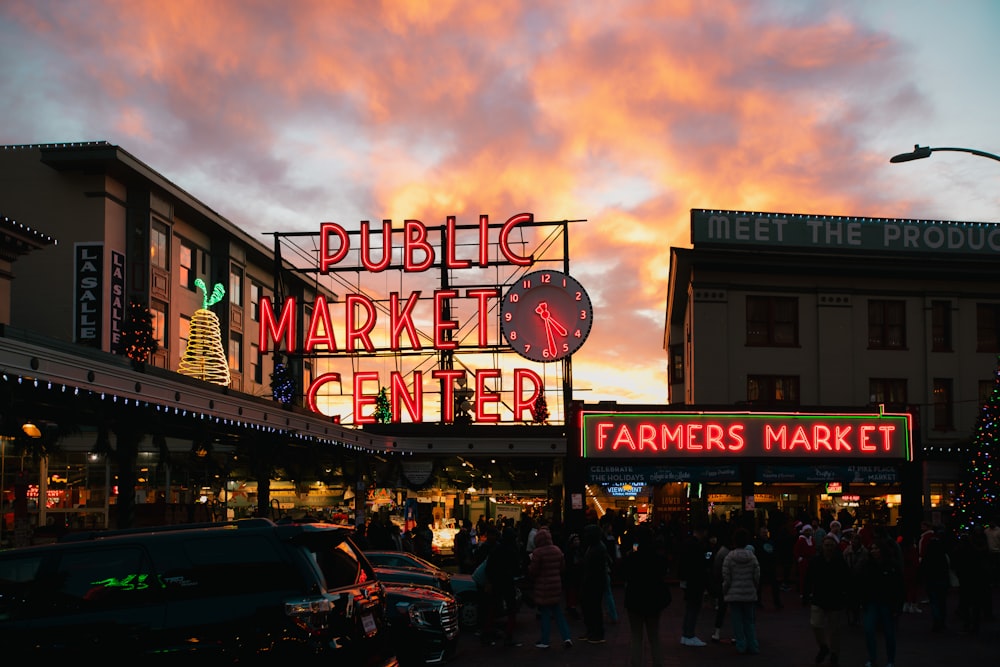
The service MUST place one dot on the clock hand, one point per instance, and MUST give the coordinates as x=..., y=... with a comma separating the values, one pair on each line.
x=551, y=325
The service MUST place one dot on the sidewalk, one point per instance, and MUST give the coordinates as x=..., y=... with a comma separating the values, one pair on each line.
x=785, y=641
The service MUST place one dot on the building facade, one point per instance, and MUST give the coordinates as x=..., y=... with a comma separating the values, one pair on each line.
x=790, y=312
x=127, y=235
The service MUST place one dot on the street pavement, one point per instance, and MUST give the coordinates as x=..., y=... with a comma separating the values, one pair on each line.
x=786, y=640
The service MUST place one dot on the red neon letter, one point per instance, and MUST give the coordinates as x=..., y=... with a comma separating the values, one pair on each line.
x=326, y=260
x=483, y=396
x=887, y=430
x=484, y=241
x=402, y=319
x=522, y=375
x=772, y=437
x=622, y=439
x=441, y=325
x=483, y=296
x=736, y=433
x=356, y=330
x=647, y=437
x=414, y=404
x=285, y=326
x=366, y=250
x=864, y=439
x=361, y=400
x=447, y=378
x=601, y=433
x=415, y=238
x=511, y=256
x=451, y=233
x=314, y=389
x=693, y=431
x=821, y=437
x=321, y=316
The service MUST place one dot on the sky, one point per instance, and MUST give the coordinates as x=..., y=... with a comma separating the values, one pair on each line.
x=626, y=114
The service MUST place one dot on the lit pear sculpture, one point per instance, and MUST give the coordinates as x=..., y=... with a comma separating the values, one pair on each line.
x=204, y=357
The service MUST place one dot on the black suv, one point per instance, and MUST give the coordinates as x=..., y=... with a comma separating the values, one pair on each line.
x=248, y=591
x=423, y=623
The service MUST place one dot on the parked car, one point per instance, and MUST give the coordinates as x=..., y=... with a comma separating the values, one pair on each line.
x=247, y=591
x=402, y=564
x=423, y=623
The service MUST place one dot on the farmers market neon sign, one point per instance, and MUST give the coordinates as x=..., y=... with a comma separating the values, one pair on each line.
x=694, y=436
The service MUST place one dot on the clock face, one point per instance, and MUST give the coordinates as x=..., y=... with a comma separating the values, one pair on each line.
x=546, y=316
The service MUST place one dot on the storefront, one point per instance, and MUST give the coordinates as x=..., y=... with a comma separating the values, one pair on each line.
x=751, y=466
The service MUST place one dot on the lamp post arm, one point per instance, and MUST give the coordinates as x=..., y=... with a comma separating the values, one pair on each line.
x=919, y=152
x=991, y=156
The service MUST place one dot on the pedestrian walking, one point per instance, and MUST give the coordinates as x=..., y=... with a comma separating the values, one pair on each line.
x=740, y=581
x=694, y=570
x=647, y=594
x=804, y=551
x=882, y=598
x=546, y=567
x=767, y=555
x=715, y=585
x=934, y=571
x=594, y=581
x=826, y=584
x=502, y=569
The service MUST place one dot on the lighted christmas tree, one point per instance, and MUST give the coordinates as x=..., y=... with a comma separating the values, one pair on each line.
x=137, y=340
x=282, y=383
x=540, y=410
x=976, y=502
x=205, y=357
x=383, y=411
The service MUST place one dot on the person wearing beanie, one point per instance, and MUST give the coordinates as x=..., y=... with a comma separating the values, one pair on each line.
x=546, y=568
x=740, y=581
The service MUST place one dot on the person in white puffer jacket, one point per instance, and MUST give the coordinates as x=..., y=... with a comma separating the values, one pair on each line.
x=740, y=580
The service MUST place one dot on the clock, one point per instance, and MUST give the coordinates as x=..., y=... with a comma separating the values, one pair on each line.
x=546, y=316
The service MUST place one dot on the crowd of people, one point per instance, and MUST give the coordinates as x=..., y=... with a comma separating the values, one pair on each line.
x=841, y=571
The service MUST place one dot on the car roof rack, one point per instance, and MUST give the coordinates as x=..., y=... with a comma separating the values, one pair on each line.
x=83, y=536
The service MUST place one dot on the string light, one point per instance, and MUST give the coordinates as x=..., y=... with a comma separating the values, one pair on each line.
x=204, y=357
x=976, y=502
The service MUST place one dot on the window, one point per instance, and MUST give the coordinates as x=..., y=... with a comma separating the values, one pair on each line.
x=184, y=331
x=189, y=264
x=236, y=352
x=887, y=391
x=159, y=245
x=941, y=326
x=943, y=417
x=256, y=363
x=987, y=327
x=772, y=320
x=159, y=312
x=886, y=324
x=985, y=390
x=236, y=285
x=773, y=389
x=256, y=295
x=676, y=364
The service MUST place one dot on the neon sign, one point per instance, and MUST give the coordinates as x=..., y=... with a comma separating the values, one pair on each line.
x=351, y=330
x=699, y=435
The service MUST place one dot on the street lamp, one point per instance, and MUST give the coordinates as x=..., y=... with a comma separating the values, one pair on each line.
x=919, y=152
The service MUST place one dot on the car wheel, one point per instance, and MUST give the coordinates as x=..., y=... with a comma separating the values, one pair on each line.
x=468, y=615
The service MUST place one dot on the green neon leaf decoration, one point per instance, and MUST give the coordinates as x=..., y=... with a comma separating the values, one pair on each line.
x=217, y=293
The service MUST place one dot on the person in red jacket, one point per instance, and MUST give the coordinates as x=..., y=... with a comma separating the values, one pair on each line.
x=804, y=550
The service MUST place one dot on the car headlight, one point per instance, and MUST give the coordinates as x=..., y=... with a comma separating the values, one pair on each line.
x=421, y=614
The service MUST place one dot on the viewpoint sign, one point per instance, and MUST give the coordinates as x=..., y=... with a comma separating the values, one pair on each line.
x=694, y=436
x=825, y=232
